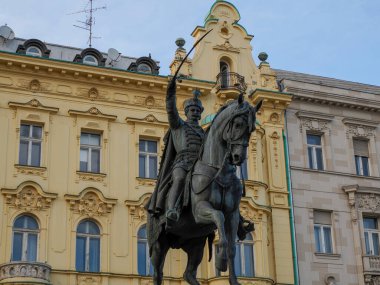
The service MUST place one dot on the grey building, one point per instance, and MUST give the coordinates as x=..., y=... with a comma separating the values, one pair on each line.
x=334, y=142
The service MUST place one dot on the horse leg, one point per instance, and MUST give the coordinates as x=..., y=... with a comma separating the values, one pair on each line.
x=194, y=257
x=204, y=213
x=232, y=224
x=159, y=251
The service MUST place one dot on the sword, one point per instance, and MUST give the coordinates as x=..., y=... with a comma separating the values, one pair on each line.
x=187, y=55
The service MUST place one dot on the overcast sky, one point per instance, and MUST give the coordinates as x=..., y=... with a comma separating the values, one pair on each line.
x=332, y=38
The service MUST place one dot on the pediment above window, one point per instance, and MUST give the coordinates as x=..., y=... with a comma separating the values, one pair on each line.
x=93, y=112
x=313, y=121
x=33, y=104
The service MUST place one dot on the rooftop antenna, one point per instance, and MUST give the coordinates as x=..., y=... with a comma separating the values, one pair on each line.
x=90, y=20
x=6, y=33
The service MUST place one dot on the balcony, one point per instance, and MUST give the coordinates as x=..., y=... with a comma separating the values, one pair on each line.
x=230, y=85
x=23, y=272
x=371, y=263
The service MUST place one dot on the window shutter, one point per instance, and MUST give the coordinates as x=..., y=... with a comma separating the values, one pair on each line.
x=322, y=217
x=361, y=148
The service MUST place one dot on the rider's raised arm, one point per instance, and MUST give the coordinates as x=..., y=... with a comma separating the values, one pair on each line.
x=171, y=107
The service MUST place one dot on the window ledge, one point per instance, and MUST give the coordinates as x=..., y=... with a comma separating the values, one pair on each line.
x=328, y=255
x=31, y=170
x=146, y=181
x=91, y=176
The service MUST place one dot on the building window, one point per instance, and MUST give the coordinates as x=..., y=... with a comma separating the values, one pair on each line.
x=88, y=247
x=90, y=152
x=361, y=157
x=30, y=145
x=314, y=149
x=145, y=267
x=148, y=159
x=33, y=51
x=90, y=60
x=371, y=236
x=224, y=70
x=144, y=68
x=25, y=239
x=323, y=232
x=242, y=168
x=244, y=257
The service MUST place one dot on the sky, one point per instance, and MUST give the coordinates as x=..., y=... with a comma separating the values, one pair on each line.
x=331, y=38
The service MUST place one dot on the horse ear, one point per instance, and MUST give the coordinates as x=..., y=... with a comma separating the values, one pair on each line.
x=258, y=106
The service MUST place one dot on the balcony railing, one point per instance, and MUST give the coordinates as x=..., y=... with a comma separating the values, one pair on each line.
x=30, y=272
x=371, y=263
x=230, y=80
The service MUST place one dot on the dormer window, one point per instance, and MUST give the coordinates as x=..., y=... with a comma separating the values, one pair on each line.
x=90, y=60
x=144, y=68
x=34, y=51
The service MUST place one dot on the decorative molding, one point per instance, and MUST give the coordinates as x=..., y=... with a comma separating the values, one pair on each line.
x=149, y=102
x=313, y=121
x=90, y=176
x=275, y=140
x=90, y=202
x=146, y=181
x=350, y=191
x=33, y=104
x=136, y=207
x=93, y=112
x=39, y=273
x=360, y=128
x=227, y=47
x=368, y=202
x=148, y=119
x=34, y=85
x=89, y=280
x=28, y=196
x=30, y=170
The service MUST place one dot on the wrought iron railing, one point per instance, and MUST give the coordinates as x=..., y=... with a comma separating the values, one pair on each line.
x=230, y=80
x=26, y=270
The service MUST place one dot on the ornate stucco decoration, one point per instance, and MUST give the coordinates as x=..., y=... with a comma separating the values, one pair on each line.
x=149, y=119
x=136, y=207
x=28, y=196
x=275, y=144
x=29, y=170
x=226, y=46
x=33, y=104
x=34, y=85
x=149, y=102
x=350, y=191
x=33, y=272
x=93, y=93
x=90, y=202
x=360, y=128
x=93, y=177
x=312, y=121
x=368, y=202
x=89, y=280
x=93, y=112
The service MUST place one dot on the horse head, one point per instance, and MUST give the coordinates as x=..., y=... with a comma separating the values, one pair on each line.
x=238, y=128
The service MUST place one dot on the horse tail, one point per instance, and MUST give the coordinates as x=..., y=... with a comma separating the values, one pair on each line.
x=210, y=240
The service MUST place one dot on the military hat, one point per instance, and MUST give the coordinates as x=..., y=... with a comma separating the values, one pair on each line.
x=194, y=101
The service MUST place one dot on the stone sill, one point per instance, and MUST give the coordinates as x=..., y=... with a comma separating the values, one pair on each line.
x=97, y=174
x=327, y=255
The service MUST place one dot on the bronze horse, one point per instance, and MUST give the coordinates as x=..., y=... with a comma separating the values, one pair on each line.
x=213, y=197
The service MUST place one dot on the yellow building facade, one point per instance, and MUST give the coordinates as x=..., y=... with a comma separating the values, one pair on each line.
x=74, y=138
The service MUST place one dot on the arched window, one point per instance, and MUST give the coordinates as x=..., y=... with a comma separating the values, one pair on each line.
x=144, y=68
x=88, y=247
x=224, y=71
x=244, y=258
x=91, y=60
x=34, y=51
x=145, y=267
x=25, y=239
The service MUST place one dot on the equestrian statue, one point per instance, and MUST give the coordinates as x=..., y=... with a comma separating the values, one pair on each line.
x=197, y=190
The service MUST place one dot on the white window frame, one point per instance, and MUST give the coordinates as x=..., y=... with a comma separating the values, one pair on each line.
x=314, y=152
x=242, y=255
x=147, y=257
x=87, y=253
x=147, y=155
x=86, y=61
x=89, y=149
x=32, y=53
x=360, y=170
x=322, y=238
x=24, y=248
x=370, y=240
x=30, y=141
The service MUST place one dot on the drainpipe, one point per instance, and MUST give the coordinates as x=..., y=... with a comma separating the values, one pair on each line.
x=291, y=210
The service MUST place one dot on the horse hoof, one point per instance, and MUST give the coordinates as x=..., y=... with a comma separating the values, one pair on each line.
x=189, y=278
x=221, y=264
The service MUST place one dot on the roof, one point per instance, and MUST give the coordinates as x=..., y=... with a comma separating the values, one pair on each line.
x=326, y=81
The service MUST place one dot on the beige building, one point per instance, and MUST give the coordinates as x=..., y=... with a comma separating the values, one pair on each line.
x=81, y=138
x=333, y=133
